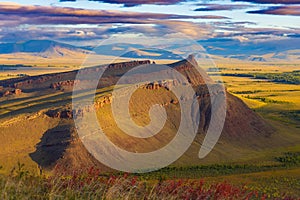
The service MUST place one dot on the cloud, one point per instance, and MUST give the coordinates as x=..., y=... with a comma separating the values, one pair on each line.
x=219, y=7
x=19, y=22
x=159, y=29
x=58, y=33
x=131, y=3
x=234, y=24
x=187, y=28
x=257, y=33
x=279, y=10
x=16, y=19
x=246, y=29
x=272, y=1
x=61, y=15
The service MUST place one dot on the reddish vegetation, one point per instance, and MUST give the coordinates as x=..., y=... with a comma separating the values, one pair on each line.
x=132, y=187
x=91, y=183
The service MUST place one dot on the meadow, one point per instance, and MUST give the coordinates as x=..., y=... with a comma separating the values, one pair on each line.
x=272, y=90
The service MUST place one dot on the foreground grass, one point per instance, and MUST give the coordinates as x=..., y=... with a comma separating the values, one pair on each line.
x=197, y=182
x=91, y=184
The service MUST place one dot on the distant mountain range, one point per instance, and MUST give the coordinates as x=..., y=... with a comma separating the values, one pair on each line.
x=226, y=46
x=134, y=51
x=275, y=50
x=35, y=46
x=285, y=49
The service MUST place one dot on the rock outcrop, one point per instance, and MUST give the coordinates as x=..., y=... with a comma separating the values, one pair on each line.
x=167, y=84
x=98, y=103
x=8, y=92
x=60, y=113
x=63, y=84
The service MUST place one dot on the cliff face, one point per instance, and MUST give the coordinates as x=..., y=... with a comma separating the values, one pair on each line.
x=188, y=69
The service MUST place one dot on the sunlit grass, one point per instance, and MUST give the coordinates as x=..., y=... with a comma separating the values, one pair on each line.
x=276, y=101
x=90, y=183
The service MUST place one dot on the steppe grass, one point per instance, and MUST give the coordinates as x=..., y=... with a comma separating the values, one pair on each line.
x=275, y=101
x=90, y=183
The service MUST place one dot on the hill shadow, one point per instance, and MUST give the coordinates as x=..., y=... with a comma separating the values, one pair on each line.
x=52, y=146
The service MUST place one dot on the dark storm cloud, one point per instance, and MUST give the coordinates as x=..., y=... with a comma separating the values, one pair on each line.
x=131, y=3
x=279, y=10
x=219, y=7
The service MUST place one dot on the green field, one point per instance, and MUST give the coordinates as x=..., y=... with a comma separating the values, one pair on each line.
x=273, y=91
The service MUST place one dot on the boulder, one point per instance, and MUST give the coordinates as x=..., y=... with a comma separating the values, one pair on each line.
x=17, y=92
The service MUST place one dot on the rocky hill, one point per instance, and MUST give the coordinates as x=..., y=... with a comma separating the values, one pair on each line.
x=229, y=48
x=59, y=142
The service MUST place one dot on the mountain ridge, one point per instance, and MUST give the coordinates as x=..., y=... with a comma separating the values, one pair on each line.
x=37, y=46
x=259, y=51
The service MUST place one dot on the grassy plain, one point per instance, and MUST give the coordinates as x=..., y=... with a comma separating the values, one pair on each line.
x=273, y=100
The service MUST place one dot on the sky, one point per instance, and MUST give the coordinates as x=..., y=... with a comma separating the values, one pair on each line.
x=86, y=21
